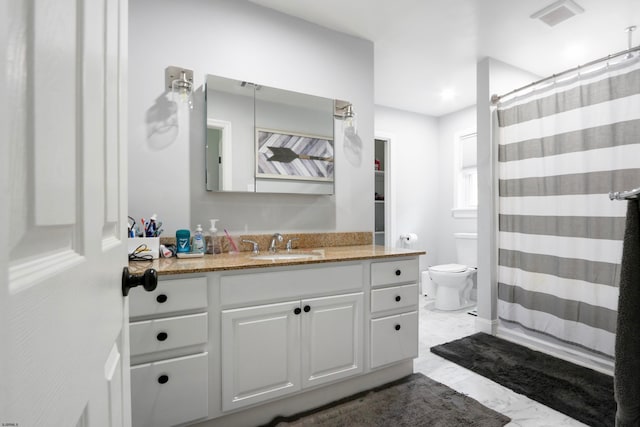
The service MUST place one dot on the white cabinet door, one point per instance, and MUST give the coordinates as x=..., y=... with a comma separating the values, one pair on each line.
x=331, y=338
x=63, y=199
x=260, y=353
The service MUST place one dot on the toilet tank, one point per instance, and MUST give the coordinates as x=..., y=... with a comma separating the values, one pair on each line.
x=467, y=248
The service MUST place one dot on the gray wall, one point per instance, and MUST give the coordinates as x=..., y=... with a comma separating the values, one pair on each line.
x=415, y=176
x=450, y=127
x=493, y=77
x=237, y=39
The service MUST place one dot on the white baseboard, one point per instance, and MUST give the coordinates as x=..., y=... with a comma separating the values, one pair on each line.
x=578, y=357
x=487, y=326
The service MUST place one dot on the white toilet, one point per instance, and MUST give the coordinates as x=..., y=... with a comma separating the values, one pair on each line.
x=453, y=282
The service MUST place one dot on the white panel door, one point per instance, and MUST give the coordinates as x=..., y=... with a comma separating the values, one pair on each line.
x=331, y=338
x=64, y=358
x=261, y=354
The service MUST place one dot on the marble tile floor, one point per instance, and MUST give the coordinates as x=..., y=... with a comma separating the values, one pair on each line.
x=438, y=327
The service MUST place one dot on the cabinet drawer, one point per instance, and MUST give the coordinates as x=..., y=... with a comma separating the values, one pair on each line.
x=170, y=295
x=396, y=297
x=390, y=272
x=394, y=338
x=164, y=334
x=282, y=285
x=169, y=392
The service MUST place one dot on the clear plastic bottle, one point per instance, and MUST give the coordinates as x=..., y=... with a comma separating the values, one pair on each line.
x=198, y=240
x=213, y=245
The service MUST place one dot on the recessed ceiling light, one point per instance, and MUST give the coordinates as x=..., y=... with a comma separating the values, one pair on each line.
x=447, y=94
x=558, y=12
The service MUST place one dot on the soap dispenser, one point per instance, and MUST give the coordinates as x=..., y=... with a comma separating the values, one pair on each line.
x=198, y=240
x=213, y=245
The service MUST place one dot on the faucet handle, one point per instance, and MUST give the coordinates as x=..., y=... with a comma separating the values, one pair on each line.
x=256, y=248
x=290, y=243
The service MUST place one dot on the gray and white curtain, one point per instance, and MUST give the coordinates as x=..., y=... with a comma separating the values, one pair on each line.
x=562, y=148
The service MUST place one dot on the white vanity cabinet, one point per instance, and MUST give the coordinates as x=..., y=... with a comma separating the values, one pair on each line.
x=238, y=346
x=394, y=315
x=275, y=349
x=169, y=363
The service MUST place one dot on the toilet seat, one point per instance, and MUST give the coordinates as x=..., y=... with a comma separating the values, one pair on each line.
x=449, y=268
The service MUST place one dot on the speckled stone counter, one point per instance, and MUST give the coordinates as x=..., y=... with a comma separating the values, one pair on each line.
x=243, y=260
x=299, y=240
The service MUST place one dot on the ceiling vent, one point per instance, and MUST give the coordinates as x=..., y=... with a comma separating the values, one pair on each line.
x=558, y=12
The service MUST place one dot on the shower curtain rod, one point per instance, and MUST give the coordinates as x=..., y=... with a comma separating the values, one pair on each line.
x=625, y=195
x=496, y=98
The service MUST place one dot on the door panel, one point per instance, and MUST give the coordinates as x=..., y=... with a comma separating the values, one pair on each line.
x=66, y=360
x=261, y=356
x=332, y=338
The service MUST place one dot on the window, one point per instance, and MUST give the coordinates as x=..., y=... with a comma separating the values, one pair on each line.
x=466, y=176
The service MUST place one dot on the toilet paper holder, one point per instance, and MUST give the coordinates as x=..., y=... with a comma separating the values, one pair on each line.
x=409, y=237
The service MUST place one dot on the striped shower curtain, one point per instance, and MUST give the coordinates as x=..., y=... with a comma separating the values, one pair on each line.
x=561, y=149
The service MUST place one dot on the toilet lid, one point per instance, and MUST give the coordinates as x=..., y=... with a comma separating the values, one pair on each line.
x=449, y=268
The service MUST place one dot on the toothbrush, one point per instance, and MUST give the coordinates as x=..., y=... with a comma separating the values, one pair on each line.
x=231, y=242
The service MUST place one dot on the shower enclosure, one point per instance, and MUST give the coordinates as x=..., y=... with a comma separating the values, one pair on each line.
x=562, y=146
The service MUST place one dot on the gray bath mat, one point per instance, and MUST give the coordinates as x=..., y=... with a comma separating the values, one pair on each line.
x=411, y=401
x=582, y=393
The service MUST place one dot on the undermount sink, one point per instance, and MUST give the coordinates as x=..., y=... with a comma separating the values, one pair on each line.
x=285, y=256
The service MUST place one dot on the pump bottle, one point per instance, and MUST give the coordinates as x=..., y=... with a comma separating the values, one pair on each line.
x=198, y=240
x=213, y=244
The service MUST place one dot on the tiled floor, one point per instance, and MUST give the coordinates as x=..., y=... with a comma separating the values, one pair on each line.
x=440, y=327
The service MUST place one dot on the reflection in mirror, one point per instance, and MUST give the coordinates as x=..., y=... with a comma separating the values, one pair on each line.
x=229, y=145
x=268, y=140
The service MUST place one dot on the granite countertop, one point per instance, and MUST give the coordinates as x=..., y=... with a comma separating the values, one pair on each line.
x=244, y=260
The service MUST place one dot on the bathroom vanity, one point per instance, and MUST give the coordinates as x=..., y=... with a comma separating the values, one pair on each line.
x=235, y=340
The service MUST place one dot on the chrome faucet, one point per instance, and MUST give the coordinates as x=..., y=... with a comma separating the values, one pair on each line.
x=277, y=237
x=256, y=248
x=290, y=243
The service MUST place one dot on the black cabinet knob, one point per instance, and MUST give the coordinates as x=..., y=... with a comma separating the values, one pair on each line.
x=398, y=298
x=398, y=272
x=163, y=379
x=162, y=336
x=307, y=309
x=162, y=298
x=297, y=311
x=397, y=327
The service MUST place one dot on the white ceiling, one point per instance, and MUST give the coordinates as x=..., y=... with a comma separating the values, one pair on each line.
x=423, y=47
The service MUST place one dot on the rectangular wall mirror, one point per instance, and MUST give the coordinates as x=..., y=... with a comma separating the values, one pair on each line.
x=267, y=140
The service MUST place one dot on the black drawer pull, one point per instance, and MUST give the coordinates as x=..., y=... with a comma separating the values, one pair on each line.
x=163, y=379
x=162, y=336
x=297, y=311
x=397, y=327
x=398, y=298
x=161, y=298
x=398, y=272
x=307, y=309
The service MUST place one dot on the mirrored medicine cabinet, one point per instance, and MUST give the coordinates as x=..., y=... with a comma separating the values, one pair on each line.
x=266, y=140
